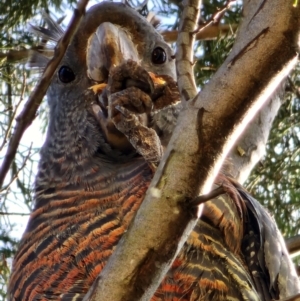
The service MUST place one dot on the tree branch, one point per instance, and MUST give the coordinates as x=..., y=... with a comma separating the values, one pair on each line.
x=293, y=245
x=148, y=248
x=211, y=32
x=206, y=197
x=17, y=55
x=29, y=112
x=185, y=54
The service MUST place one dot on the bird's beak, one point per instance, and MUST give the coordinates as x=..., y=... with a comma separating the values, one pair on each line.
x=108, y=47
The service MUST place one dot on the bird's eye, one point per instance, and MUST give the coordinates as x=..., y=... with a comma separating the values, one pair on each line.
x=66, y=74
x=159, y=56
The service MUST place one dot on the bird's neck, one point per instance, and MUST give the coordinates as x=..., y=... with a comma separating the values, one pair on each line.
x=75, y=157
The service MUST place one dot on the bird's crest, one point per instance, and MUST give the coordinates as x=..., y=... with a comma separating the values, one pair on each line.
x=52, y=33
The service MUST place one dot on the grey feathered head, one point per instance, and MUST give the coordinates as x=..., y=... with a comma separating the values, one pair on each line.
x=109, y=35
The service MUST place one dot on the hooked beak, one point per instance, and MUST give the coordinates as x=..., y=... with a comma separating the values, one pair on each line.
x=108, y=47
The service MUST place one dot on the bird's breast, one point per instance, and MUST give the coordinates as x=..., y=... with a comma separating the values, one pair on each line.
x=72, y=233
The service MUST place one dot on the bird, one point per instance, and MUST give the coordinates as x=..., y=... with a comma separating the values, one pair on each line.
x=113, y=104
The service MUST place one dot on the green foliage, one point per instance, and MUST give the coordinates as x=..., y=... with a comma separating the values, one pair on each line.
x=19, y=12
x=212, y=55
x=4, y=274
x=7, y=250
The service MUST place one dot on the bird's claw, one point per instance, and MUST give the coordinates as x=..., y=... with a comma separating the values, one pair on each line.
x=127, y=101
x=144, y=139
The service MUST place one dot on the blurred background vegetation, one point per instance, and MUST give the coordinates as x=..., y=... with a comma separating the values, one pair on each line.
x=275, y=181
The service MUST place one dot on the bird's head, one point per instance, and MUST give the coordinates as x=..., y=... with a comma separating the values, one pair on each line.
x=109, y=35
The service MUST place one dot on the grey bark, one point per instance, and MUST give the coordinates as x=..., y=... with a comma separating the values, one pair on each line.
x=251, y=145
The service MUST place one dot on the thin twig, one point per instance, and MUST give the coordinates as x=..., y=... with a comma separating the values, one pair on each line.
x=11, y=119
x=293, y=245
x=29, y=112
x=16, y=174
x=9, y=108
x=206, y=197
x=216, y=17
x=210, y=32
x=14, y=213
x=22, y=55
